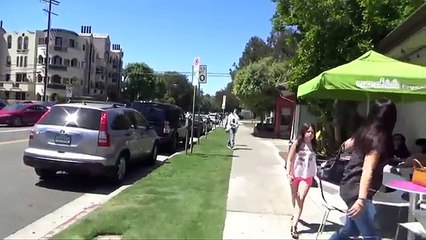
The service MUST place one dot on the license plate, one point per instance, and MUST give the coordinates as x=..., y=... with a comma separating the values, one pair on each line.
x=63, y=139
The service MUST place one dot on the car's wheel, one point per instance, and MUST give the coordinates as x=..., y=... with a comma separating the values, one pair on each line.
x=120, y=170
x=17, y=122
x=153, y=156
x=45, y=173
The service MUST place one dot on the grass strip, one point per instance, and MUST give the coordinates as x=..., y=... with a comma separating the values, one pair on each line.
x=184, y=198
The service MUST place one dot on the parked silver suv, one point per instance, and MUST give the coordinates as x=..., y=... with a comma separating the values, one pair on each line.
x=91, y=138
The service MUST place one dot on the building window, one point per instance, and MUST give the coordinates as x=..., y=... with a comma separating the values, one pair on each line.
x=41, y=41
x=40, y=59
x=17, y=61
x=39, y=78
x=74, y=62
x=26, y=43
x=56, y=79
x=21, y=61
x=9, y=42
x=20, y=95
x=72, y=43
x=84, y=48
x=57, y=60
x=8, y=61
x=7, y=77
x=58, y=41
x=25, y=61
x=21, y=77
x=19, y=42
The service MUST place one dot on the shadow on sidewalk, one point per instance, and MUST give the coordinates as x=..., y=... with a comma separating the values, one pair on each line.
x=206, y=155
x=242, y=148
x=313, y=227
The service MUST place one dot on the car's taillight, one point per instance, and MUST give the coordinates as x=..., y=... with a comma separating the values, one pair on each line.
x=166, y=128
x=38, y=121
x=103, y=136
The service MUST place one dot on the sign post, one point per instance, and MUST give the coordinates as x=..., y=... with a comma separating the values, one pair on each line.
x=68, y=92
x=223, y=110
x=195, y=76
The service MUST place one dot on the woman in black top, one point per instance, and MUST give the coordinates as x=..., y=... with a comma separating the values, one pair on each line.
x=372, y=147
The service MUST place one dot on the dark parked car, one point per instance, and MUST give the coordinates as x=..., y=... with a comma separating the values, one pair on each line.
x=168, y=120
x=3, y=104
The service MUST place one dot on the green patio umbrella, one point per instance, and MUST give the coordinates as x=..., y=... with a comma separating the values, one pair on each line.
x=368, y=77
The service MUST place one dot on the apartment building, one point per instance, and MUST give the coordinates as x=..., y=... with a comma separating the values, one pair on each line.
x=73, y=63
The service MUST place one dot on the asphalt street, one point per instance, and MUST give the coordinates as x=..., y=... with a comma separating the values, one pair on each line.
x=24, y=198
x=21, y=200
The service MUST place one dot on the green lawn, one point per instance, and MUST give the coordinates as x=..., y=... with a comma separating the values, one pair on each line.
x=185, y=198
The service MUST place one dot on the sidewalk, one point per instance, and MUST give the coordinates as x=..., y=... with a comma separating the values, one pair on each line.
x=259, y=204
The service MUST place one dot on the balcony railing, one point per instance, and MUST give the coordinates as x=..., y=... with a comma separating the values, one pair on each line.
x=58, y=67
x=56, y=86
x=60, y=48
x=22, y=50
x=15, y=85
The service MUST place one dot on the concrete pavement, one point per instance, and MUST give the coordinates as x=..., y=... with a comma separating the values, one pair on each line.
x=259, y=204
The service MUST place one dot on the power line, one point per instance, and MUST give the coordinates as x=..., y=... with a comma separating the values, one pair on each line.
x=46, y=65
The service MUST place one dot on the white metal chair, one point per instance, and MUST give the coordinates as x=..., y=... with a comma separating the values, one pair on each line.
x=328, y=207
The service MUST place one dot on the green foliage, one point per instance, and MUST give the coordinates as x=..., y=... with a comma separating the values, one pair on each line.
x=331, y=33
x=140, y=81
x=178, y=90
x=232, y=101
x=255, y=84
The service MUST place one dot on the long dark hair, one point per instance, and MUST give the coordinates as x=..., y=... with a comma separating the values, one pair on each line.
x=376, y=133
x=401, y=151
x=301, y=137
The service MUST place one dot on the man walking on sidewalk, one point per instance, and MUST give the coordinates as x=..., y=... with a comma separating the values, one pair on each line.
x=231, y=126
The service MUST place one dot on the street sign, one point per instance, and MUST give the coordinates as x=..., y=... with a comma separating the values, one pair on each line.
x=68, y=91
x=223, y=102
x=196, y=71
x=196, y=63
x=203, y=74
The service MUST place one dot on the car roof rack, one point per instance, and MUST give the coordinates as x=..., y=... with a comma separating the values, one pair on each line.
x=85, y=102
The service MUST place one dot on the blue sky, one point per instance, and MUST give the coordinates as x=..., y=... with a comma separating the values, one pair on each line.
x=166, y=34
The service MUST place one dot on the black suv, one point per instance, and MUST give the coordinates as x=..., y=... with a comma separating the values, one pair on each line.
x=168, y=120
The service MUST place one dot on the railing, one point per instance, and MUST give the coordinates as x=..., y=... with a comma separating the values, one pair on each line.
x=22, y=50
x=57, y=67
x=60, y=48
x=56, y=86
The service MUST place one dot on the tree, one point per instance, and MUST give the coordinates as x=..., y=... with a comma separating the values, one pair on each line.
x=232, y=101
x=333, y=32
x=140, y=81
x=178, y=90
x=255, y=50
x=255, y=86
x=283, y=44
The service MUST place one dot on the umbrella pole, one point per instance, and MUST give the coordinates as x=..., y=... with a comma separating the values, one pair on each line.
x=368, y=104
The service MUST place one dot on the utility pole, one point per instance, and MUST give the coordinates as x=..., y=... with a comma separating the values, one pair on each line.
x=46, y=61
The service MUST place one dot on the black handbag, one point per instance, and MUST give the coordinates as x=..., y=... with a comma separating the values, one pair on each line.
x=333, y=169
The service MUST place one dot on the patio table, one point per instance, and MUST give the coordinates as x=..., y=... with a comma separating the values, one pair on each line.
x=413, y=189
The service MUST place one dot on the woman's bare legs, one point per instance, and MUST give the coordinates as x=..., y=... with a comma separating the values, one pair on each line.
x=298, y=200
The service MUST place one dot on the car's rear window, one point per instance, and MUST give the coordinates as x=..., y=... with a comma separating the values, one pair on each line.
x=153, y=113
x=73, y=117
